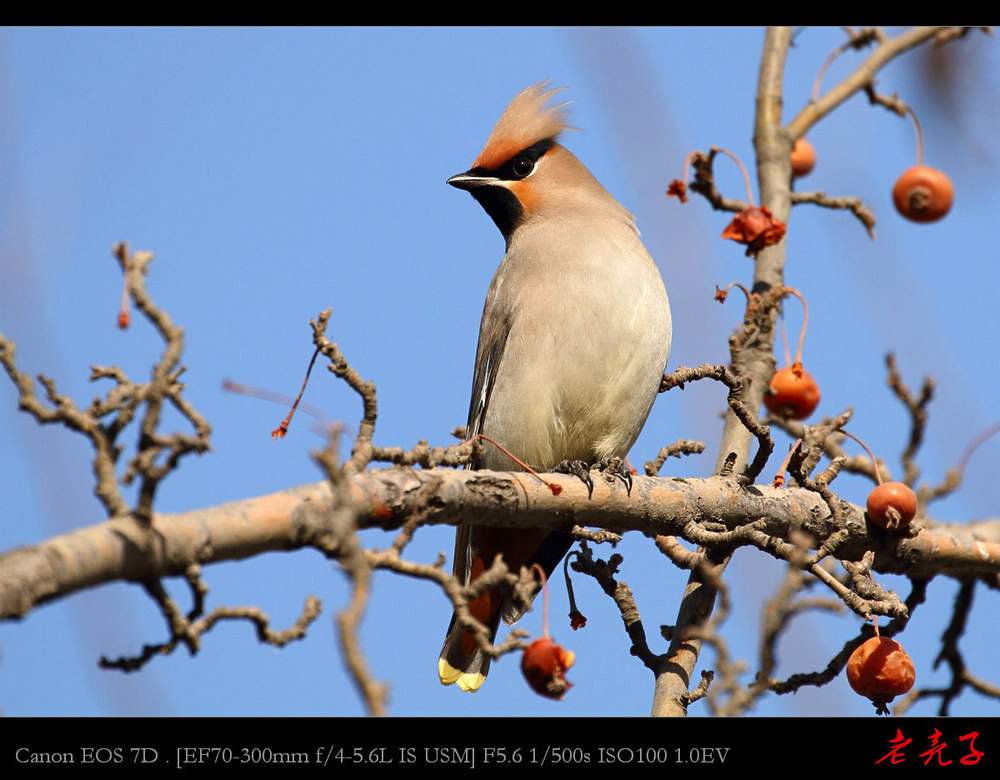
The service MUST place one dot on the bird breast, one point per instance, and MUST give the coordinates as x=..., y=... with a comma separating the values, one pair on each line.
x=588, y=341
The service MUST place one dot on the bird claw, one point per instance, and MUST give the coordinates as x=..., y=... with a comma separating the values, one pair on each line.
x=615, y=467
x=579, y=469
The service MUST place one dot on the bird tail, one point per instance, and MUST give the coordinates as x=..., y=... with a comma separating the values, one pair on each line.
x=462, y=661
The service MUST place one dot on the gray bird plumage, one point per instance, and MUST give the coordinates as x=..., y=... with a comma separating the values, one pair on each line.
x=574, y=337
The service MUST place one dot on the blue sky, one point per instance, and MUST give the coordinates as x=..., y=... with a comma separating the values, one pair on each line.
x=278, y=172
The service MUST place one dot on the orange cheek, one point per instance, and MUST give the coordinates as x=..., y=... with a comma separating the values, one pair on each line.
x=526, y=194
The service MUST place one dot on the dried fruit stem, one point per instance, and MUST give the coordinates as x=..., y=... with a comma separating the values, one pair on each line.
x=746, y=176
x=556, y=489
x=856, y=41
x=805, y=323
x=878, y=473
x=282, y=429
x=975, y=445
x=920, y=136
x=779, y=478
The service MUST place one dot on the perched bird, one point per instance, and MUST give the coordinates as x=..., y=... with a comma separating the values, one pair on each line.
x=572, y=346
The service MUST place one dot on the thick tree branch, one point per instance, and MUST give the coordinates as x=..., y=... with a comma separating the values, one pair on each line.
x=306, y=517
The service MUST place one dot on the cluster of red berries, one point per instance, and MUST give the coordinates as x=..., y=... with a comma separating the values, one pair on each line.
x=878, y=669
x=921, y=194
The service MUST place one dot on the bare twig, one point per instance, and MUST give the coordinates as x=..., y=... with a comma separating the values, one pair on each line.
x=604, y=573
x=916, y=405
x=682, y=375
x=704, y=182
x=363, y=450
x=852, y=204
x=676, y=450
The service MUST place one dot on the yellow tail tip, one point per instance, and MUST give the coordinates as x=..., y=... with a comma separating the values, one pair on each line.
x=467, y=681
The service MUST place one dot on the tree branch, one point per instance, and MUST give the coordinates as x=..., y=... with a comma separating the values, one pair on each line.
x=303, y=517
x=887, y=49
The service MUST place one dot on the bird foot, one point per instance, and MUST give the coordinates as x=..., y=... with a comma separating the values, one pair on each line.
x=613, y=467
x=617, y=467
x=579, y=469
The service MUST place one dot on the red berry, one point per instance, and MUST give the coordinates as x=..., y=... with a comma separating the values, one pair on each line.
x=544, y=665
x=892, y=505
x=803, y=157
x=794, y=393
x=880, y=670
x=923, y=194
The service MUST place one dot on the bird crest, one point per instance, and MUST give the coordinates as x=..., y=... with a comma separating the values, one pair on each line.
x=528, y=119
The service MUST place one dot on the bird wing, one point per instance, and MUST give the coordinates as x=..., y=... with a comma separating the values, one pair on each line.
x=487, y=363
x=489, y=355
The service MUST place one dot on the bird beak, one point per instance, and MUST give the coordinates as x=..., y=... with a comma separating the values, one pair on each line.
x=470, y=180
